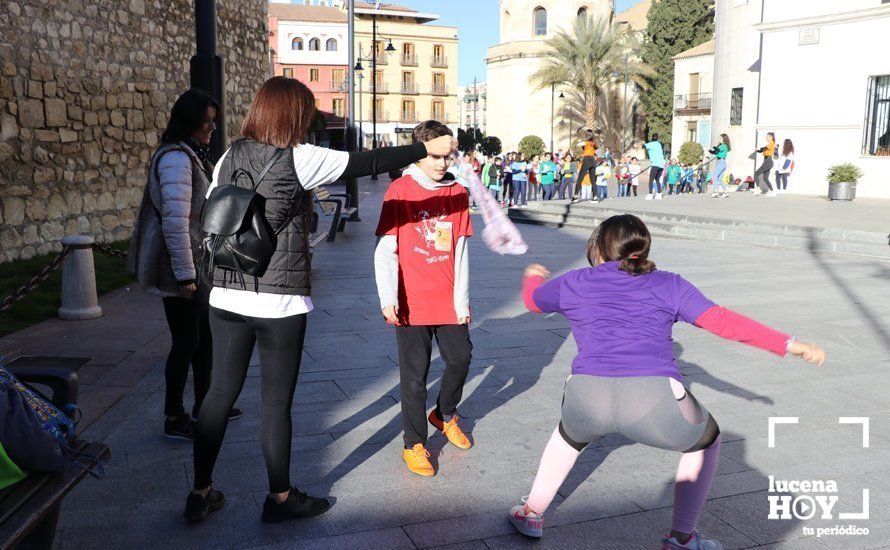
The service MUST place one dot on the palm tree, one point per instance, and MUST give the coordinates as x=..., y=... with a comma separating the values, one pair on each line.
x=588, y=62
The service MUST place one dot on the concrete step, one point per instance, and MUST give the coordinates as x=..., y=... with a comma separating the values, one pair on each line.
x=588, y=215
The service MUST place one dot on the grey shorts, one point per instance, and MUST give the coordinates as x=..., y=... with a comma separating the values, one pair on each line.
x=644, y=409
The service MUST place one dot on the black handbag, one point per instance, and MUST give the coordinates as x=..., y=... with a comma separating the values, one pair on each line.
x=239, y=237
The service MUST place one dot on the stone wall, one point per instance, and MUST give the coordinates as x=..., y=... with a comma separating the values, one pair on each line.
x=86, y=88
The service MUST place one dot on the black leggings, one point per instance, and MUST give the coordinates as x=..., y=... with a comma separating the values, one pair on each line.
x=190, y=332
x=655, y=178
x=281, y=348
x=588, y=167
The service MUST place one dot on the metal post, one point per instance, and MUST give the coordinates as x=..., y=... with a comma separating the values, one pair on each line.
x=624, y=111
x=351, y=69
x=374, y=82
x=552, y=105
x=374, y=78
x=475, y=103
x=352, y=183
x=361, y=131
x=206, y=68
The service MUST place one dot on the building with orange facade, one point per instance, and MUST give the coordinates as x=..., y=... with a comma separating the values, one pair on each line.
x=309, y=43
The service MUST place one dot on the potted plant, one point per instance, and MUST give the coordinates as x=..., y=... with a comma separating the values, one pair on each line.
x=842, y=180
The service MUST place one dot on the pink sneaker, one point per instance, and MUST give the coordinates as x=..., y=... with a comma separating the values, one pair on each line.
x=694, y=543
x=530, y=525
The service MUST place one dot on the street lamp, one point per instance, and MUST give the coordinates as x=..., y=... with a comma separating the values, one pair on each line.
x=206, y=68
x=552, y=106
x=359, y=68
x=360, y=76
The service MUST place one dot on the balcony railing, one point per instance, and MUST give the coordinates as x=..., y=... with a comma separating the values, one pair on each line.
x=439, y=61
x=692, y=103
x=339, y=86
x=441, y=117
x=409, y=117
x=409, y=60
x=382, y=116
x=439, y=89
x=382, y=58
x=410, y=88
x=382, y=87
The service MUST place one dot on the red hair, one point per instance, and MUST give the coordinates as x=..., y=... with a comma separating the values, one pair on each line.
x=280, y=114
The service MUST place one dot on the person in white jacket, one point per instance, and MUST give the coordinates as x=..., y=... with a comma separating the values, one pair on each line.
x=165, y=250
x=786, y=166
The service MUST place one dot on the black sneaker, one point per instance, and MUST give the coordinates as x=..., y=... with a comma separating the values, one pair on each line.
x=234, y=413
x=298, y=505
x=197, y=507
x=183, y=427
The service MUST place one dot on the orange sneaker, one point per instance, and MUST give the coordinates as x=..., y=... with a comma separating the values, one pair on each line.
x=418, y=460
x=452, y=431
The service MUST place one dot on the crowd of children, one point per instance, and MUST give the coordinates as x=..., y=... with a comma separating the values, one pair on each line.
x=514, y=178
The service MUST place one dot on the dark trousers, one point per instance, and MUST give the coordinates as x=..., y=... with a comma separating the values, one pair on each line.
x=548, y=191
x=565, y=185
x=190, y=332
x=781, y=182
x=415, y=348
x=588, y=168
x=655, y=179
x=280, y=343
x=761, y=176
x=519, y=192
x=508, y=186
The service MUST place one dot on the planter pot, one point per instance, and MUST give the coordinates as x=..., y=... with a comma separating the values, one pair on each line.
x=842, y=191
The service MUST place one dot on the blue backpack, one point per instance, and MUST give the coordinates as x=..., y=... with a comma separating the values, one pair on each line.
x=35, y=433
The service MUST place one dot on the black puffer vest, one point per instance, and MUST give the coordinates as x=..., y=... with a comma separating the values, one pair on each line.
x=289, y=270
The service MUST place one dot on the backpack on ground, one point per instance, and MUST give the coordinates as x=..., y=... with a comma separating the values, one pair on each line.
x=239, y=237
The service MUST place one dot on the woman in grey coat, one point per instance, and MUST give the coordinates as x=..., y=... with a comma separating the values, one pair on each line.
x=165, y=250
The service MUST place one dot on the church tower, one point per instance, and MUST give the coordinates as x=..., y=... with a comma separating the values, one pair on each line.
x=515, y=107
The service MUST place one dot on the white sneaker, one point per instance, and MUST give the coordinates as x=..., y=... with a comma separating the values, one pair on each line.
x=658, y=196
x=757, y=191
x=715, y=195
x=724, y=195
x=531, y=525
x=694, y=543
x=649, y=197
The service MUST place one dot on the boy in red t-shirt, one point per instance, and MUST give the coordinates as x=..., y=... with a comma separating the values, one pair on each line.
x=422, y=276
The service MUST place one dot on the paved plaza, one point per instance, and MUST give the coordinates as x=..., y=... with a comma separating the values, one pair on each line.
x=347, y=429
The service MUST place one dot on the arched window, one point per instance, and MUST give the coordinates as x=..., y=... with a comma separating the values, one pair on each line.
x=540, y=21
x=314, y=44
x=296, y=44
x=331, y=45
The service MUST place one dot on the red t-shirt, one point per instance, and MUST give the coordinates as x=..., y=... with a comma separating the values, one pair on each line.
x=427, y=225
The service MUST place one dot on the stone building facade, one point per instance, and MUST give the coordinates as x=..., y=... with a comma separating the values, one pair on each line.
x=86, y=88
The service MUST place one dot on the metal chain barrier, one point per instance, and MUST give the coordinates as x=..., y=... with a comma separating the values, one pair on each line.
x=53, y=265
x=110, y=251
x=35, y=281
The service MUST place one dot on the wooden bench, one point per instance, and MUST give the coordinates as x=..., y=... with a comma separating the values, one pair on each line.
x=336, y=206
x=29, y=509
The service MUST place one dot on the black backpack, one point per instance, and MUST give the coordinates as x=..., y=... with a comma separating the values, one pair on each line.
x=238, y=237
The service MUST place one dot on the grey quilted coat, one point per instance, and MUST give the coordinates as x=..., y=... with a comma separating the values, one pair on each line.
x=166, y=242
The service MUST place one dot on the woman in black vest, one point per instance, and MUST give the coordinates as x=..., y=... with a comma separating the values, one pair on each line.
x=271, y=310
